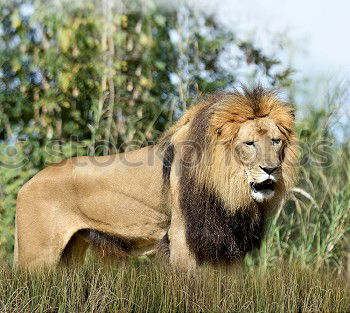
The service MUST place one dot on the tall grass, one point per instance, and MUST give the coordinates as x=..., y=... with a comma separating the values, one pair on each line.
x=151, y=287
x=312, y=228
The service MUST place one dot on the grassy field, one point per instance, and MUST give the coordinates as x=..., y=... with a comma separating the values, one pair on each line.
x=152, y=287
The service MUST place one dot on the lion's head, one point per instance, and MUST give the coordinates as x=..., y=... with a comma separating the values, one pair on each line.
x=240, y=144
x=263, y=146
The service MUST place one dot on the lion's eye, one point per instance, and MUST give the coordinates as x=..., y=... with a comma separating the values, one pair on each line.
x=249, y=143
x=276, y=141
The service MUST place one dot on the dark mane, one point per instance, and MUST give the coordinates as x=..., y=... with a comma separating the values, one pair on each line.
x=213, y=233
x=168, y=159
x=254, y=96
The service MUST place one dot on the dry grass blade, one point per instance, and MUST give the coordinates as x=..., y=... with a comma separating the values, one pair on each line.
x=305, y=194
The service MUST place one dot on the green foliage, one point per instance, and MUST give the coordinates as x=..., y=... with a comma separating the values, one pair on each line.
x=14, y=173
x=107, y=75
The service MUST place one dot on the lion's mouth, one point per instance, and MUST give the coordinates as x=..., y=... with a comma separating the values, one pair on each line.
x=266, y=185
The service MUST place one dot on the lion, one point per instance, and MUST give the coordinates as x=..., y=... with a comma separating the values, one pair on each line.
x=201, y=194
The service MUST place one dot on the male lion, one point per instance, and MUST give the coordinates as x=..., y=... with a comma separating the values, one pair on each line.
x=203, y=191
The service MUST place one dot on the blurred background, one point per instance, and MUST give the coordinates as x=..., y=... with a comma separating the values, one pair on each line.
x=85, y=77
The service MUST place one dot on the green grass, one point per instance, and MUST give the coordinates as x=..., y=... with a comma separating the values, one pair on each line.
x=153, y=287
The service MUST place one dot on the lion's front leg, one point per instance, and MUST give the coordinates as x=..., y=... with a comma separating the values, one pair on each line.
x=180, y=255
x=179, y=252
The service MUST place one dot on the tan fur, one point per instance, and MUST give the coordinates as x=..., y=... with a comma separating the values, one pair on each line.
x=122, y=195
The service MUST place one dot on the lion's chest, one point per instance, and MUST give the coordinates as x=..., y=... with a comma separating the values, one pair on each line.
x=213, y=234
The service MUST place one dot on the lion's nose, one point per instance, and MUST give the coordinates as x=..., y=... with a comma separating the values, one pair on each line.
x=269, y=169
